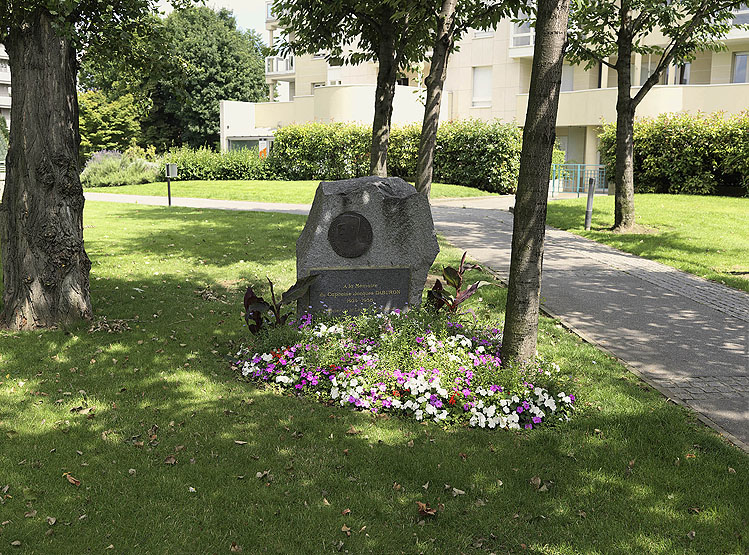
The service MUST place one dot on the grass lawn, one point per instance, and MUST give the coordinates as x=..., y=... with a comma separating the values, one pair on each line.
x=295, y=192
x=705, y=236
x=630, y=473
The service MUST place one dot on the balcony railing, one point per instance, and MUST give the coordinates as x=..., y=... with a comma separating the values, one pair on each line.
x=278, y=65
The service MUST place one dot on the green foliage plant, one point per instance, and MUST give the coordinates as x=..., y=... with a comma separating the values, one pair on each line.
x=105, y=124
x=257, y=309
x=682, y=153
x=438, y=297
x=111, y=169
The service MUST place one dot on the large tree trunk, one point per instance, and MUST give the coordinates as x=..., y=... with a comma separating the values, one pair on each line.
x=523, y=296
x=435, y=82
x=387, y=73
x=624, y=195
x=45, y=268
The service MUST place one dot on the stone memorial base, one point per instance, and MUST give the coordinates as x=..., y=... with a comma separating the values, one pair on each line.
x=372, y=242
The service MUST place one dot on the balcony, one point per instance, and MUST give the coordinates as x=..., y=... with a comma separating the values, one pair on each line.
x=278, y=65
x=592, y=106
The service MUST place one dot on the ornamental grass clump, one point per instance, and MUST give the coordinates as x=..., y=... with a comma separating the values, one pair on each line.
x=416, y=364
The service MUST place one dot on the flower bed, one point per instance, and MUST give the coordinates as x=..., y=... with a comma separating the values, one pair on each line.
x=415, y=364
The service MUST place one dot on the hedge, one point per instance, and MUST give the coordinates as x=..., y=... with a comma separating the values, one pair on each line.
x=473, y=153
x=685, y=153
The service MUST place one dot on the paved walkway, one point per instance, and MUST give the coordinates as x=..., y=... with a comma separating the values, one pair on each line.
x=686, y=336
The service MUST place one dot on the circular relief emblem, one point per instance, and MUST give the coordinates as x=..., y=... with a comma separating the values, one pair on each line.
x=350, y=235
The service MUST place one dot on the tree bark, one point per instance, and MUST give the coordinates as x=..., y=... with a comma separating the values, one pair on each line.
x=387, y=74
x=435, y=82
x=523, y=296
x=624, y=195
x=45, y=267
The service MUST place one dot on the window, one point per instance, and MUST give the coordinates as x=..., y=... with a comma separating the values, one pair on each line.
x=684, y=73
x=402, y=81
x=522, y=32
x=317, y=85
x=482, y=87
x=4, y=65
x=269, y=11
x=568, y=81
x=649, y=64
x=318, y=55
x=742, y=15
x=482, y=34
x=740, y=73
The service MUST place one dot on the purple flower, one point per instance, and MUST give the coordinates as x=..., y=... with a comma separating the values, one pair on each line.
x=529, y=426
x=519, y=409
x=536, y=419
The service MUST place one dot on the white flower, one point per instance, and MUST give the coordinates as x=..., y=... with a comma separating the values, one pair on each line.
x=267, y=357
x=334, y=393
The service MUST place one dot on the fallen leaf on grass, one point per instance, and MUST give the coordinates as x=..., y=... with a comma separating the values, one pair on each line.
x=346, y=530
x=731, y=470
x=15, y=543
x=325, y=502
x=345, y=512
x=397, y=486
x=691, y=534
x=426, y=486
x=425, y=510
x=689, y=456
x=457, y=492
x=170, y=460
x=234, y=548
x=410, y=443
x=30, y=514
x=536, y=482
x=352, y=431
x=75, y=481
x=239, y=442
x=694, y=510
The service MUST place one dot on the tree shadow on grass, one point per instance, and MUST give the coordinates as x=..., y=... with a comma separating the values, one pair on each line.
x=637, y=477
x=166, y=383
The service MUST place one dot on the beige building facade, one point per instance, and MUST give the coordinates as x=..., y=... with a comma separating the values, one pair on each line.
x=488, y=78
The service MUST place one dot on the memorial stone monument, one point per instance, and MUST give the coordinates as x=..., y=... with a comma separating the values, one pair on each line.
x=371, y=240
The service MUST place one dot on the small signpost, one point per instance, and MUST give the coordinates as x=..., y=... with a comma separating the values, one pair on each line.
x=171, y=172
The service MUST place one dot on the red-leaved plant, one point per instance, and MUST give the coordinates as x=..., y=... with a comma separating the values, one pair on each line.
x=257, y=309
x=438, y=297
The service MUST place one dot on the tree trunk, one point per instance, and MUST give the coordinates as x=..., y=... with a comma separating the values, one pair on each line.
x=387, y=74
x=624, y=195
x=45, y=267
x=523, y=296
x=435, y=82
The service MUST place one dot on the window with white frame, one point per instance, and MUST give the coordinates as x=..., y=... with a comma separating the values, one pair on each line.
x=482, y=87
x=269, y=11
x=522, y=32
x=742, y=15
x=649, y=65
x=740, y=73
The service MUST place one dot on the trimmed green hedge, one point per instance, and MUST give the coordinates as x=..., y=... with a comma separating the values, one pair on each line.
x=473, y=153
x=698, y=154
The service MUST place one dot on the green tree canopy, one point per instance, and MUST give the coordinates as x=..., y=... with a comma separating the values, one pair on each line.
x=182, y=67
x=106, y=125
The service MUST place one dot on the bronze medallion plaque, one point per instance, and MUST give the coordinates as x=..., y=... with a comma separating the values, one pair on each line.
x=350, y=235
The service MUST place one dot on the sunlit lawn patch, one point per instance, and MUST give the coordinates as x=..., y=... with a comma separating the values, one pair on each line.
x=706, y=236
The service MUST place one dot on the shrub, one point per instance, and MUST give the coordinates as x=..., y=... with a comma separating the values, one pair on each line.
x=474, y=153
x=685, y=153
x=485, y=155
x=205, y=164
x=109, y=168
x=321, y=151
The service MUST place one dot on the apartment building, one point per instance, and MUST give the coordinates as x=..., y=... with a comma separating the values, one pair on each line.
x=489, y=77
